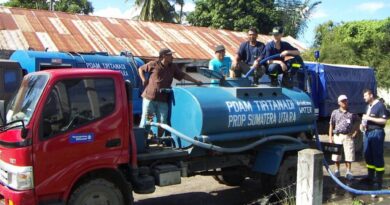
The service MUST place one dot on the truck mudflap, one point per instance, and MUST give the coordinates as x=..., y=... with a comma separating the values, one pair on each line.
x=270, y=156
x=8, y=196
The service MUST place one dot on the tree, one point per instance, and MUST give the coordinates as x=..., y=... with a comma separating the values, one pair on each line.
x=365, y=43
x=37, y=4
x=234, y=14
x=156, y=10
x=294, y=15
x=263, y=14
x=181, y=4
x=72, y=6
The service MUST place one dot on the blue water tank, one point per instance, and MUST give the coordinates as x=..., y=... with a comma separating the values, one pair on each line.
x=38, y=60
x=220, y=114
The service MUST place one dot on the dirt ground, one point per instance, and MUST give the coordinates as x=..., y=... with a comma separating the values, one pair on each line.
x=204, y=190
x=201, y=190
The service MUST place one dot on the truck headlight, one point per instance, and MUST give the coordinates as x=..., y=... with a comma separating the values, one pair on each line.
x=20, y=181
x=16, y=177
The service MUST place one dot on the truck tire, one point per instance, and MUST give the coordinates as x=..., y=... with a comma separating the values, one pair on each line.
x=231, y=176
x=98, y=191
x=286, y=176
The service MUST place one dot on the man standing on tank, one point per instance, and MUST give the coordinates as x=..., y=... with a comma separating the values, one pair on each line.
x=220, y=63
x=161, y=74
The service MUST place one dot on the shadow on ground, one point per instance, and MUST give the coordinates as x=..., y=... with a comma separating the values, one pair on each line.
x=247, y=193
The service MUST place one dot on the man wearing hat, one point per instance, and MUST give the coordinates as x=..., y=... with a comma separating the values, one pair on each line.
x=342, y=130
x=161, y=74
x=220, y=63
x=278, y=65
x=249, y=52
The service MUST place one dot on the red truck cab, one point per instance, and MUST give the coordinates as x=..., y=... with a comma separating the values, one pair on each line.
x=64, y=127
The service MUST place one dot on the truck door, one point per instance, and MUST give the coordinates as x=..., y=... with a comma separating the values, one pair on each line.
x=79, y=128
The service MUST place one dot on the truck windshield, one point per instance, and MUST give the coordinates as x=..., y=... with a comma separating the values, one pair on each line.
x=23, y=105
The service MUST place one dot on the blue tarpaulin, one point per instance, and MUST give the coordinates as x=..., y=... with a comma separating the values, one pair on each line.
x=335, y=80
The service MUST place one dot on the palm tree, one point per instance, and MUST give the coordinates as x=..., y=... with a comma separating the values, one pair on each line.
x=295, y=14
x=181, y=3
x=156, y=10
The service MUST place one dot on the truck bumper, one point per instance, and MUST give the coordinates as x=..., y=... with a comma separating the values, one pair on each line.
x=12, y=197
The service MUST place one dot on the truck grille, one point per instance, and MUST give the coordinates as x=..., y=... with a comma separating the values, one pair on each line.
x=3, y=176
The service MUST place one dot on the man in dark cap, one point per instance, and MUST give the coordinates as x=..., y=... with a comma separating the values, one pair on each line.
x=220, y=63
x=249, y=52
x=161, y=74
x=278, y=65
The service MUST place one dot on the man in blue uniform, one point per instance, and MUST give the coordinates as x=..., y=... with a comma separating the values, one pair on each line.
x=220, y=63
x=373, y=123
x=278, y=65
x=247, y=54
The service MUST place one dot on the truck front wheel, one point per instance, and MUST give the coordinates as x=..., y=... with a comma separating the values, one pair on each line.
x=231, y=176
x=97, y=192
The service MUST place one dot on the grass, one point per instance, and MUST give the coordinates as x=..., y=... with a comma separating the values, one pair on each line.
x=357, y=202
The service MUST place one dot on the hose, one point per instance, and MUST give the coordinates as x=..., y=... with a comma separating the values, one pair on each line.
x=261, y=62
x=264, y=140
x=218, y=148
x=341, y=184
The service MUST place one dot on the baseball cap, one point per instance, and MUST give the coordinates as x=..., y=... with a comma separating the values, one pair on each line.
x=219, y=48
x=277, y=30
x=165, y=51
x=341, y=98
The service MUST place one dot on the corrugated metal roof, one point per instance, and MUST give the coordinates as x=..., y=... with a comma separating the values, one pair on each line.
x=58, y=31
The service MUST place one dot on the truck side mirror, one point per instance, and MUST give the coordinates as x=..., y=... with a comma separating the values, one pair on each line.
x=129, y=90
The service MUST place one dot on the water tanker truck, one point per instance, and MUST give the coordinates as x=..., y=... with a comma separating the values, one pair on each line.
x=69, y=138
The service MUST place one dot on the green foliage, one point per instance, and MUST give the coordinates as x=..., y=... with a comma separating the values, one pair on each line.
x=157, y=10
x=234, y=14
x=38, y=4
x=365, y=43
x=240, y=15
x=72, y=6
x=294, y=14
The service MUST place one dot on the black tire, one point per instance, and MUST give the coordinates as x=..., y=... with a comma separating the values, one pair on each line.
x=286, y=176
x=98, y=191
x=231, y=176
